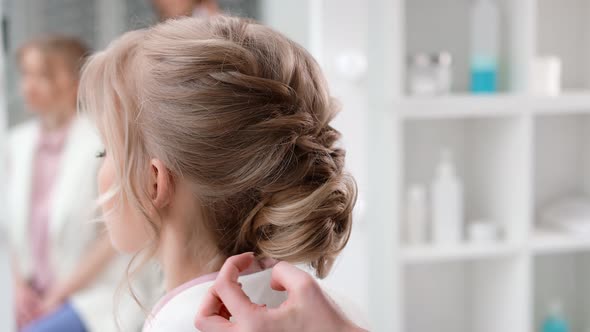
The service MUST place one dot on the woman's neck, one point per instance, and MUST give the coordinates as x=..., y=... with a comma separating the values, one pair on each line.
x=57, y=120
x=180, y=264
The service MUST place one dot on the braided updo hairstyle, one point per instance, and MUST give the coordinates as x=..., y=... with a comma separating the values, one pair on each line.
x=243, y=113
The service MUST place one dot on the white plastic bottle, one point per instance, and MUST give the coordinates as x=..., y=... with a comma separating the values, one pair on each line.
x=485, y=25
x=447, y=203
x=416, y=216
x=555, y=321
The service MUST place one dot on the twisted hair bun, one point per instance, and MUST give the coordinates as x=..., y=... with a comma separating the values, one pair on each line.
x=257, y=111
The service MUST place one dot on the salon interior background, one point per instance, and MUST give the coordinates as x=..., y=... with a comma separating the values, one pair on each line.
x=409, y=77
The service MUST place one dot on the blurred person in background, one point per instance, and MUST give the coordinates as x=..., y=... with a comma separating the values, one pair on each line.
x=64, y=269
x=177, y=8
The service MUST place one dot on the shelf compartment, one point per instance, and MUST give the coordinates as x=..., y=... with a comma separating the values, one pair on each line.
x=563, y=30
x=444, y=25
x=490, y=158
x=561, y=160
x=465, y=252
x=563, y=277
x=460, y=296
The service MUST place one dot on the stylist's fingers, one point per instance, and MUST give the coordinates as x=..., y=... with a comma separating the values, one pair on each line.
x=211, y=305
x=235, y=265
x=227, y=277
x=213, y=324
x=227, y=288
x=286, y=277
x=229, y=274
x=225, y=295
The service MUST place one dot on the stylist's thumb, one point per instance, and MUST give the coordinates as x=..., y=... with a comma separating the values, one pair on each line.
x=213, y=324
x=226, y=297
x=286, y=277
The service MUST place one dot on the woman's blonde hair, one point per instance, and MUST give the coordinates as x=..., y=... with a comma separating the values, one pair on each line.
x=241, y=112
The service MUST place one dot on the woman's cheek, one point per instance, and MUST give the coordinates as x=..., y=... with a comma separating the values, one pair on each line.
x=126, y=227
x=111, y=212
x=105, y=179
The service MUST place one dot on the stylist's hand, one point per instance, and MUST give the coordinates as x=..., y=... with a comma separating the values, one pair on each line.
x=307, y=308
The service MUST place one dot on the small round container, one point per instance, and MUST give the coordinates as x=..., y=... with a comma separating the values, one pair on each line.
x=483, y=232
x=443, y=72
x=422, y=75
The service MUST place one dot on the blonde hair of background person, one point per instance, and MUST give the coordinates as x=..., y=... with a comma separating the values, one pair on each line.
x=50, y=69
x=218, y=142
x=64, y=269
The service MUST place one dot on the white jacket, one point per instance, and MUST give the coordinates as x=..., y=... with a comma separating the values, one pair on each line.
x=71, y=229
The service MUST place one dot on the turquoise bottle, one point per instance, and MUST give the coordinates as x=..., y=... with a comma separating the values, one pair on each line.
x=484, y=46
x=555, y=322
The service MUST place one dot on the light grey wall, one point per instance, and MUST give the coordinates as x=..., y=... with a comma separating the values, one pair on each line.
x=6, y=321
x=289, y=17
x=6, y=312
x=345, y=34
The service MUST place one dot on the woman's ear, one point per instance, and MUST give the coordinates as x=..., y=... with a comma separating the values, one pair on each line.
x=161, y=188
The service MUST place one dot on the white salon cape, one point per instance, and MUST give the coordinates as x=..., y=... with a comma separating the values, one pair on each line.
x=71, y=228
x=178, y=312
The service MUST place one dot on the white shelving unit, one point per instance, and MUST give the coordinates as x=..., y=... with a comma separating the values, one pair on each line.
x=515, y=153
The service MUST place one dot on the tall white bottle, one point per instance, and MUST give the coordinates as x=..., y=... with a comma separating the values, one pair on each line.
x=416, y=215
x=485, y=46
x=447, y=203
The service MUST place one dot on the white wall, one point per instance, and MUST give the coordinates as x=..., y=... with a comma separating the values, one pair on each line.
x=288, y=17
x=345, y=36
x=6, y=313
